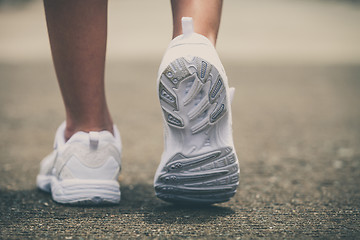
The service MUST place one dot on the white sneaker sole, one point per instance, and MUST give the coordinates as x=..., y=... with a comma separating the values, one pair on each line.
x=80, y=191
x=211, y=175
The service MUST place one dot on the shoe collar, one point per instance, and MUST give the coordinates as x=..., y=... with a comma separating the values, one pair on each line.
x=189, y=36
x=92, y=137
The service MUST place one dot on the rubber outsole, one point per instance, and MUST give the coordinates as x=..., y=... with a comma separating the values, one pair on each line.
x=81, y=191
x=193, y=99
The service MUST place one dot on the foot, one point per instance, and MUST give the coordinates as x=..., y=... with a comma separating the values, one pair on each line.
x=199, y=163
x=83, y=170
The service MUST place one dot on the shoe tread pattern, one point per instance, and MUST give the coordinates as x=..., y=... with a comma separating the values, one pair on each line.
x=207, y=178
x=193, y=98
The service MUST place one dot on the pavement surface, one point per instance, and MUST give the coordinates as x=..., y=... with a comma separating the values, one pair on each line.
x=297, y=133
x=296, y=127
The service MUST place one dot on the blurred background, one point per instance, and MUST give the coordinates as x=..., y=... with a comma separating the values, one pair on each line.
x=295, y=65
x=276, y=31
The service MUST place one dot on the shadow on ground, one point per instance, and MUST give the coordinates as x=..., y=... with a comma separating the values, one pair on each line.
x=33, y=213
x=141, y=198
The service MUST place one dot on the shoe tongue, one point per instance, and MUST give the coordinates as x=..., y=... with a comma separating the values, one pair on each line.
x=59, y=136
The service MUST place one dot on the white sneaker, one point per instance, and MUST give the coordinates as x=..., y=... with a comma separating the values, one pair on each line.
x=83, y=170
x=199, y=163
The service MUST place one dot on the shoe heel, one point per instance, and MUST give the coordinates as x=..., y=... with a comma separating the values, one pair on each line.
x=207, y=178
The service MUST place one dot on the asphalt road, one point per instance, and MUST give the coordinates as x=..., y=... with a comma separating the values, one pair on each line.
x=297, y=133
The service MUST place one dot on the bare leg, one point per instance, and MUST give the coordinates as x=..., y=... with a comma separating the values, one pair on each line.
x=78, y=32
x=206, y=16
